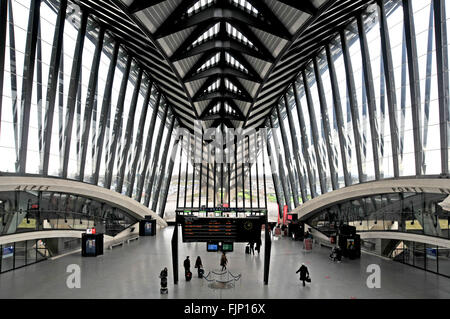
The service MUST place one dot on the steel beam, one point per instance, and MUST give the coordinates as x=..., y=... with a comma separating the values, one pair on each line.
x=332, y=158
x=305, y=143
x=162, y=166
x=390, y=85
x=155, y=159
x=287, y=155
x=27, y=83
x=90, y=99
x=168, y=178
x=370, y=91
x=339, y=116
x=105, y=112
x=128, y=138
x=147, y=150
x=117, y=126
x=353, y=101
x=315, y=134
x=131, y=175
x=73, y=90
x=443, y=79
x=414, y=83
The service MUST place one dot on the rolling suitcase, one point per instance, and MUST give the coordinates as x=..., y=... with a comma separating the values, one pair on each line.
x=200, y=273
x=188, y=276
x=247, y=249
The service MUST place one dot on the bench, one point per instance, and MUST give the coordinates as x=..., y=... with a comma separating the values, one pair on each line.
x=121, y=241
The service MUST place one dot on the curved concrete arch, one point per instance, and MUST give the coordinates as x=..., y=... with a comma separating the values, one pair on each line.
x=33, y=235
x=414, y=185
x=31, y=183
x=435, y=241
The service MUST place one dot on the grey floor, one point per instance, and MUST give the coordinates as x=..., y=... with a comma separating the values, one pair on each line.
x=132, y=271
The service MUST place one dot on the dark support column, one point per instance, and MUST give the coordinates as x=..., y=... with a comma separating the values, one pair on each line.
x=167, y=180
x=201, y=175
x=131, y=176
x=236, y=169
x=414, y=83
x=304, y=136
x=188, y=145
x=3, y=22
x=315, y=133
x=175, y=253
x=390, y=85
x=264, y=167
x=105, y=112
x=27, y=83
x=193, y=155
x=162, y=166
x=128, y=133
x=243, y=171
x=267, y=250
x=287, y=155
x=148, y=149
x=353, y=104
x=179, y=172
x=155, y=159
x=332, y=158
x=207, y=174
x=281, y=166
x=54, y=66
x=257, y=170
x=370, y=91
x=250, y=171
x=339, y=116
x=90, y=99
x=443, y=78
x=73, y=89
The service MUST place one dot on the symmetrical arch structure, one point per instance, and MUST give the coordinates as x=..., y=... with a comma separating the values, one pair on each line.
x=351, y=92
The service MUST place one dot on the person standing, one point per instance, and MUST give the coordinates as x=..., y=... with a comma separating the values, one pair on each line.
x=223, y=261
x=258, y=245
x=252, y=247
x=304, y=273
x=187, y=265
x=199, y=266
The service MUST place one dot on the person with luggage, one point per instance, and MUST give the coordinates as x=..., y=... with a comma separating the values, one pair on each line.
x=163, y=275
x=187, y=267
x=199, y=266
x=304, y=274
x=223, y=261
x=252, y=247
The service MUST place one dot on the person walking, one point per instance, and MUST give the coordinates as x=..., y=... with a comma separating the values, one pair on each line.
x=304, y=273
x=199, y=266
x=258, y=245
x=223, y=261
x=187, y=265
x=252, y=247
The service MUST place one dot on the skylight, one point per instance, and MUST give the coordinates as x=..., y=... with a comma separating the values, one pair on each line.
x=231, y=87
x=199, y=5
x=210, y=63
x=213, y=87
x=234, y=33
x=207, y=35
x=234, y=63
x=245, y=5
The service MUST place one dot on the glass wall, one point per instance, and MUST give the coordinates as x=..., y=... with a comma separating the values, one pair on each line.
x=22, y=253
x=87, y=102
x=41, y=210
x=417, y=213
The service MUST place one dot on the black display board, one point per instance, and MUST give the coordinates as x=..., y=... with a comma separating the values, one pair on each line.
x=147, y=227
x=91, y=245
x=198, y=229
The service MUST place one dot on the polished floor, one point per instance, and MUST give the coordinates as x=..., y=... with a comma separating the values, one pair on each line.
x=132, y=271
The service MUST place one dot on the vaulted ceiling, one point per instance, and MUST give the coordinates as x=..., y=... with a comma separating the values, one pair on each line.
x=224, y=61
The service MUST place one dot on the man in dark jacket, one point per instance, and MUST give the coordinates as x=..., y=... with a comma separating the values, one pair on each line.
x=304, y=273
x=187, y=265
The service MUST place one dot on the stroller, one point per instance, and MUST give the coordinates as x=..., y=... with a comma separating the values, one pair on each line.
x=163, y=277
x=336, y=254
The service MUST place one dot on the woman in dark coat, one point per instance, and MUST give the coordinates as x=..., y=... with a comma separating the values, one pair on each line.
x=223, y=261
x=304, y=273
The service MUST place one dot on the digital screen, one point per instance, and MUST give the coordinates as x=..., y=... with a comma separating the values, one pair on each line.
x=212, y=247
x=227, y=247
x=148, y=228
x=90, y=246
x=8, y=251
x=198, y=229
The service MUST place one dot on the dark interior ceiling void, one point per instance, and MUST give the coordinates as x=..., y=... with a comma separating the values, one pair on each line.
x=224, y=62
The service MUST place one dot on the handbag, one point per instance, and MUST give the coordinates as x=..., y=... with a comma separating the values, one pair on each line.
x=308, y=279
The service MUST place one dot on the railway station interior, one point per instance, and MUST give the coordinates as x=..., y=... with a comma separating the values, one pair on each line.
x=272, y=133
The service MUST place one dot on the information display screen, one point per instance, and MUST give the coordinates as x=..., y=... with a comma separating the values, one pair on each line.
x=198, y=229
x=212, y=247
